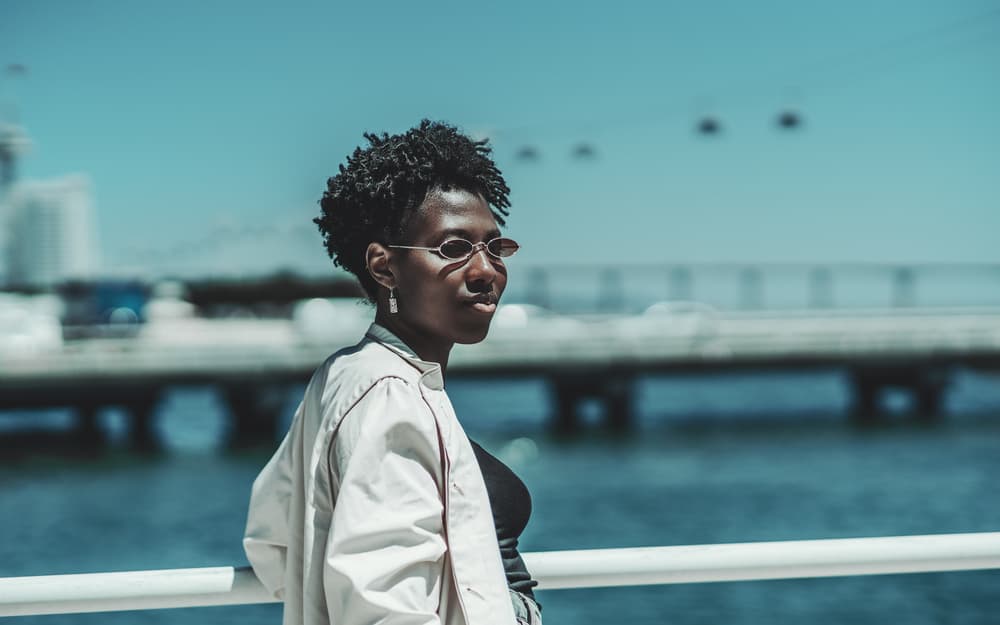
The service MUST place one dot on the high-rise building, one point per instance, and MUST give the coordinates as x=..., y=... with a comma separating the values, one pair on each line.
x=14, y=142
x=51, y=232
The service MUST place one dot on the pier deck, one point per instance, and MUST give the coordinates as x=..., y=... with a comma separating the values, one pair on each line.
x=580, y=357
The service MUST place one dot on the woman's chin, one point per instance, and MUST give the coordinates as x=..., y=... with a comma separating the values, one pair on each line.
x=473, y=334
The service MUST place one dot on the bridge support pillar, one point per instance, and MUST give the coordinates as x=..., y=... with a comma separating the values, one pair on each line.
x=254, y=413
x=143, y=432
x=618, y=404
x=88, y=433
x=926, y=386
x=929, y=401
x=615, y=392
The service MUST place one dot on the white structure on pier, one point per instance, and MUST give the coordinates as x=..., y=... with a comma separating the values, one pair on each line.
x=51, y=231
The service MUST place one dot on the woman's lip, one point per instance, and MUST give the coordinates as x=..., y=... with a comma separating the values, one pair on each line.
x=481, y=306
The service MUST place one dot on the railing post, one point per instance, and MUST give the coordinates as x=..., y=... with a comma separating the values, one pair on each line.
x=821, y=288
x=751, y=289
x=681, y=284
x=538, y=288
x=904, y=291
x=612, y=292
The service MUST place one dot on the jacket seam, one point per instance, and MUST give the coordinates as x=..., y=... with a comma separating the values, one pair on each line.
x=340, y=421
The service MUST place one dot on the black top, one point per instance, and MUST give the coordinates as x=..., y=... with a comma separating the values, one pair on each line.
x=511, y=504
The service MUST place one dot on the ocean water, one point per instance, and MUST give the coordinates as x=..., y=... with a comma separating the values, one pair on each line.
x=713, y=459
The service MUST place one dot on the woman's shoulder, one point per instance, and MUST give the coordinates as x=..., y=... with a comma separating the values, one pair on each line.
x=365, y=364
x=347, y=376
x=372, y=380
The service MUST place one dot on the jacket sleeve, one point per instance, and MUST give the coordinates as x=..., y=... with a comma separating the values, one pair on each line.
x=386, y=546
x=265, y=540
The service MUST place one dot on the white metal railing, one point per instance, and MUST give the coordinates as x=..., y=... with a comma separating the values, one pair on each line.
x=177, y=588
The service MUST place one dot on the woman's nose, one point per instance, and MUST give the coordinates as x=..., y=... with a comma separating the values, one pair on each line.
x=480, y=266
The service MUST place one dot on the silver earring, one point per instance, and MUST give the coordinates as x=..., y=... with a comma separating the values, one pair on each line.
x=393, y=306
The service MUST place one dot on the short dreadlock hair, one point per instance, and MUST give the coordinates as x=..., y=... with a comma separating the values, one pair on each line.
x=374, y=196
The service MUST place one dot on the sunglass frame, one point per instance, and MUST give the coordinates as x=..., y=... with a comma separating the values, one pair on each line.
x=474, y=248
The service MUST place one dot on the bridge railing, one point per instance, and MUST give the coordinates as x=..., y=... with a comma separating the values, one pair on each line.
x=178, y=588
x=617, y=288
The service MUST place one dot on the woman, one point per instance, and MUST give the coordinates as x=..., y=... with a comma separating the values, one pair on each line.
x=376, y=507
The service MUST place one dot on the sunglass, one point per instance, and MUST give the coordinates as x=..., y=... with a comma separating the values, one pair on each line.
x=460, y=249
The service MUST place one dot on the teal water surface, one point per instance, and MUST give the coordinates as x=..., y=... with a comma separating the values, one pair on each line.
x=713, y=459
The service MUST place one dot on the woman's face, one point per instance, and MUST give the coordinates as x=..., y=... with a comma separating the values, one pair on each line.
x=444, y=301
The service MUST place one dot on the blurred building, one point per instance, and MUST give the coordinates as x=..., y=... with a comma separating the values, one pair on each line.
x=51, y=234
x=14, y=142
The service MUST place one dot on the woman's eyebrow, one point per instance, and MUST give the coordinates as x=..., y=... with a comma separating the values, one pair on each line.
x=465, y=234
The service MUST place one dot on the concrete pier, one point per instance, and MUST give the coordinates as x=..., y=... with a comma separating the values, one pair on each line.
x=254, y=363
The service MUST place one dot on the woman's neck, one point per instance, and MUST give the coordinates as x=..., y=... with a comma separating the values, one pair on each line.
x=425, y=348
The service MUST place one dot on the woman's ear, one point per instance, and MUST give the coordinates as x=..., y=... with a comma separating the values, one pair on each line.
x=377, y=262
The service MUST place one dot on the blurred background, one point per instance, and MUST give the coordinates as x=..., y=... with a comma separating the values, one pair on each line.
x=758, y=296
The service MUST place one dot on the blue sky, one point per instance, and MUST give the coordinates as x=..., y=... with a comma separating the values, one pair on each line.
x=209, y=128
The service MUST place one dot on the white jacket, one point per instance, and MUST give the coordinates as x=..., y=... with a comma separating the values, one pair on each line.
x=373, y=509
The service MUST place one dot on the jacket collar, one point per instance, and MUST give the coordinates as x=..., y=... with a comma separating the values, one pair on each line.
x=430, y=372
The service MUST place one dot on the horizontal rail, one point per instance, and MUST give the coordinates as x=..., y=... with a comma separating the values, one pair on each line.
x=765, y=560
x=179, y=588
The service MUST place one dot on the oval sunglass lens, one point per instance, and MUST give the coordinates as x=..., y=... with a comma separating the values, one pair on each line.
x=503, y=247
x=455, y=249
